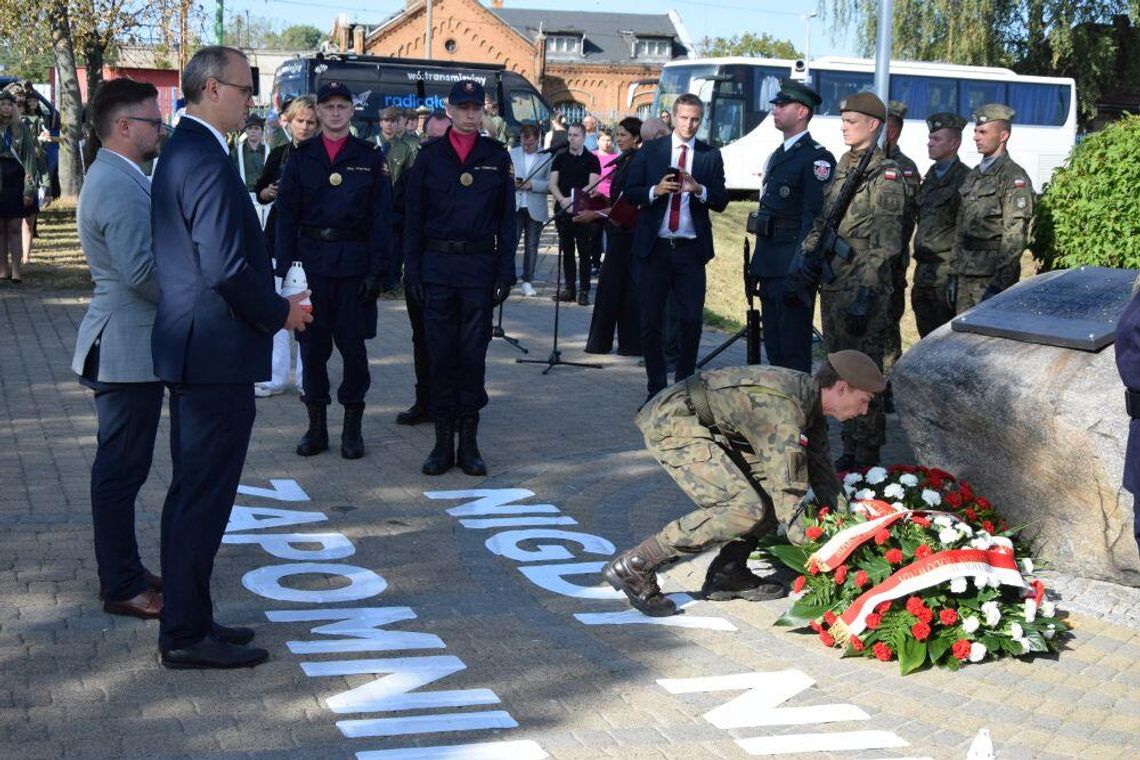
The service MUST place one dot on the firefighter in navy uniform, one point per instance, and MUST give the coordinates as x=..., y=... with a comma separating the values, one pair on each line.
x=459, y=261
x=792, y=197
x=334, y=215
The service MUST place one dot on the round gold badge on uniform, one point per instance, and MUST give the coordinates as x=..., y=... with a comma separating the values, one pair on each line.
x=335, y=179
x=785, y=191
x=466, y=179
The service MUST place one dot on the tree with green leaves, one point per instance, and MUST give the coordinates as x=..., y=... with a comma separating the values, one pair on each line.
x=748, y=44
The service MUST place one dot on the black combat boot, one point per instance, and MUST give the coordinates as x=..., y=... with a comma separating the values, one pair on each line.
x=866, y=457
x=413, y=415
x=351, y=440
x=728, y=576
x=442, y=457
x=316, y=438
x=634, y=574
x=470, y=460
x=845, y=463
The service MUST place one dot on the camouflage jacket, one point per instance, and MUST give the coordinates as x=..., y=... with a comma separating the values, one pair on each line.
x=872, y=226
x=399, y=155
x=993, y=222
x=938, y=202
x=779, y=414
x=23, y=149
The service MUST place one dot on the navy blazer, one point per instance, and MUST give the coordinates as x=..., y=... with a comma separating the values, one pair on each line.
x=648, y=167
x=217, y=308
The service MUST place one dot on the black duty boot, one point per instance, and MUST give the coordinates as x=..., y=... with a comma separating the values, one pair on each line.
x=728, y=576
x=413, y=415
x=845, y=463
x=866, y=457
x=634, y=574
x=351, y=440
x=470, y=460
x=442, y=457
x=316, y=438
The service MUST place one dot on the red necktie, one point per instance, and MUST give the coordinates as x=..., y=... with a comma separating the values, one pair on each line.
x=675, y=201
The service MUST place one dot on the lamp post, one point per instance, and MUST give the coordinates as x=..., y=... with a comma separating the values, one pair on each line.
x=807, y=36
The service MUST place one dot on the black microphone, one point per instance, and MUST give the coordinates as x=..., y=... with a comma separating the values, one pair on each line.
x=621, y=159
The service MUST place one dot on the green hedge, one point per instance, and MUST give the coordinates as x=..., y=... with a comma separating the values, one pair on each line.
x=1090, y=211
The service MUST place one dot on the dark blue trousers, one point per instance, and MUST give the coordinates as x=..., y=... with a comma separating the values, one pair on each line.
x=128, y=416
x=420, y=359
x=210, y=427
x=457, y=324
x=787, y=329
x=340, y=317
x=679, y=271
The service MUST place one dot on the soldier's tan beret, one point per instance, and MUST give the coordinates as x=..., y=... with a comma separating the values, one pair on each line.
x=897, y=108
x=858, y=370
x=994, y=112
x=865, y=103
x=391, y=112
x=945, y=120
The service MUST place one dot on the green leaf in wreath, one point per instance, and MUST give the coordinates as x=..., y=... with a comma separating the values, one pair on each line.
x=793, y=556
x=801, y=613
x=937, y=648
x=912, y=655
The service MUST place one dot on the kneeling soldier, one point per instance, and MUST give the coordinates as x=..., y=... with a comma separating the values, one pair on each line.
x=743, y=443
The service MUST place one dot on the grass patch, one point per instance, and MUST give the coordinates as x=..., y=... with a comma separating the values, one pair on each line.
x=57, y=260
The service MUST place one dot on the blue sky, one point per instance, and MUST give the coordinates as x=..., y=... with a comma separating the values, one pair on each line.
x=713, y=18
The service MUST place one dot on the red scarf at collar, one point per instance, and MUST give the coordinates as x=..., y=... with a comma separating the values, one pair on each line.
x=332, y=147
x=463, y=143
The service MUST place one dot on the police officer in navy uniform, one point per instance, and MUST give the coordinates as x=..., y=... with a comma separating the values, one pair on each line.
x=334, y=207
x=791, y=199
x=459, y=261
x=1128, y=365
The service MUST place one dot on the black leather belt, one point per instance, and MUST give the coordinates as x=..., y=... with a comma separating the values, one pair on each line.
x=677, y=242
x=460, y=246
x=1132, y=403
x=978, y=244
x=332, y=234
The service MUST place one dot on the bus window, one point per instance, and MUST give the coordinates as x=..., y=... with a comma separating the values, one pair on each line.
x=975, y=93
x=523, y=108
x=1045, y=105
x=765, y=85
x=925, y=95
x=834, y=86
x=677, y=80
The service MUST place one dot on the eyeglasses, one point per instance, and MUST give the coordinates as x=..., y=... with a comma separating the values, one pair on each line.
x=156, y=123
x=246, y=90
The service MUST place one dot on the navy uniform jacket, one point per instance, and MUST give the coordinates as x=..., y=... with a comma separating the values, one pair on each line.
x=649, y=166
x=1128, y=365
x=792, y=198
x=362, y=202
x=217, y=308
x=437, y=206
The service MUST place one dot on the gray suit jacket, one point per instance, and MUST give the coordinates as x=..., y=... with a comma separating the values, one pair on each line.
x=114, y=229
x=538, y=198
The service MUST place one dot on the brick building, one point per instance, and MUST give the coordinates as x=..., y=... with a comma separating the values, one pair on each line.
x=603, y=63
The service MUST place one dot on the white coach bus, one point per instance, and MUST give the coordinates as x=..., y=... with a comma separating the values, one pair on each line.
x=736, y=92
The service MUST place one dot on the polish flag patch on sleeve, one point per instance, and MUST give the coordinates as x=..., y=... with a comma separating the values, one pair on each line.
x=803, y=440
x=1019, y=183
x=890, y=174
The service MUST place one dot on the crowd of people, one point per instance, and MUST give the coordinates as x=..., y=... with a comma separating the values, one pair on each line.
x=25, y=183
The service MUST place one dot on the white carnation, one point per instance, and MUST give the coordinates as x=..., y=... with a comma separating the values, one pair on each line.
x=992, y=613
x=908, y=480
x=948, y=536
x=1030, y=610
x=1016, y=631
x=849, y=491
x=958, y=585
x=977, y=651
x=1050, y=631
x=851, y=478
x=980, y=582
x=943, y=521
x=876, y=475
x=981, y=543
x=864, y=494
x=894, y=491
x=932, y=498
x=1048, y=609
x=994, y=582
x=898, y=506
x=970, y=624
x=1027, y=566
x=965, y=530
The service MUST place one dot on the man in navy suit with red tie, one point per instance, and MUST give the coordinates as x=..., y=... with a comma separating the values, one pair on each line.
x=677, y=180
x=212, y=340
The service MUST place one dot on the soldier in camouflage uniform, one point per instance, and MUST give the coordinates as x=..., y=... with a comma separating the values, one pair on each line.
x=398, y=154
x=938, y=202
x=855, y=305
x=743, y=443
x=995, y=216
x=896, y=114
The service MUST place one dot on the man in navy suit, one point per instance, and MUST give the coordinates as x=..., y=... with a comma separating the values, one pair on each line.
x=677, y=180
x=212, y=340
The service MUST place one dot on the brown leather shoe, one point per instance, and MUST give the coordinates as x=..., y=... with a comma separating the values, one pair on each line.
x=153, y=582
x=146, y=605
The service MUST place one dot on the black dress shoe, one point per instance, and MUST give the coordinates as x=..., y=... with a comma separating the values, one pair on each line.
x=233, y=634
x=413, y=415
x=211, y=653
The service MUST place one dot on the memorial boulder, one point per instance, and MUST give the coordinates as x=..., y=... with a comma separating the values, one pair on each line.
x=1021, y=397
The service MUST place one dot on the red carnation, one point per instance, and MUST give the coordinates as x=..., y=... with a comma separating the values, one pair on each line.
x=827, y=638
x=874, y=621
x=857, y=644
x=829, y=618
x=921, y=631
x=988, y=526
x=983, y=502
x=841, y=575
x=971, y=515
x=934, y=481
x=920, y=521
x=922, y=552
x=895, y=556
x=948, y=616
x=824, y=512
x=883, y=607
x=925, y=614
x=914, y=605
x=798, y=584
x=813, y=533
x=954, y=499
x=813, y=568
x=961, y=649
x=1004, y=526
x=882, y=535
x=882, y=651
x=966, y=491
x=815, y=626
x=861, y=579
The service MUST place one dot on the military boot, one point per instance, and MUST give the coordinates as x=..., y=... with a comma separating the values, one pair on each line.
x=728, y=576
x=470, y=460
x=351, y=440
x=845, y=463
x=866, y=457
x=316, y=438
x=634, y=574
x=442, y=457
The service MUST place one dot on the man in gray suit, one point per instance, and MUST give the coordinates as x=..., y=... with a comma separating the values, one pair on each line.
x=532, y=182
x=112, y=354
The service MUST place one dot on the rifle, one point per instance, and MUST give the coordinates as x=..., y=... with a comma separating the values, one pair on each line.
x=811, y=265
x=753, y=329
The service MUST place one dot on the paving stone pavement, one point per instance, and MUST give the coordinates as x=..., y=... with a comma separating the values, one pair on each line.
x=81, y=684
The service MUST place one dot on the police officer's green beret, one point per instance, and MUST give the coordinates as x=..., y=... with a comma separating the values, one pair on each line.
x=858, y=369
x=993, y=112
x=945, y=120
x=792, y=91
x=867, y=103
x=254, y=120
x=391, y=112
x=897, y=108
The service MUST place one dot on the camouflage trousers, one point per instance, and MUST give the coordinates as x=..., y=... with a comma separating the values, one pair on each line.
x=862, y=436
x=931, y=309
x=892, y=339
x=726, y=485
x=970, y=290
